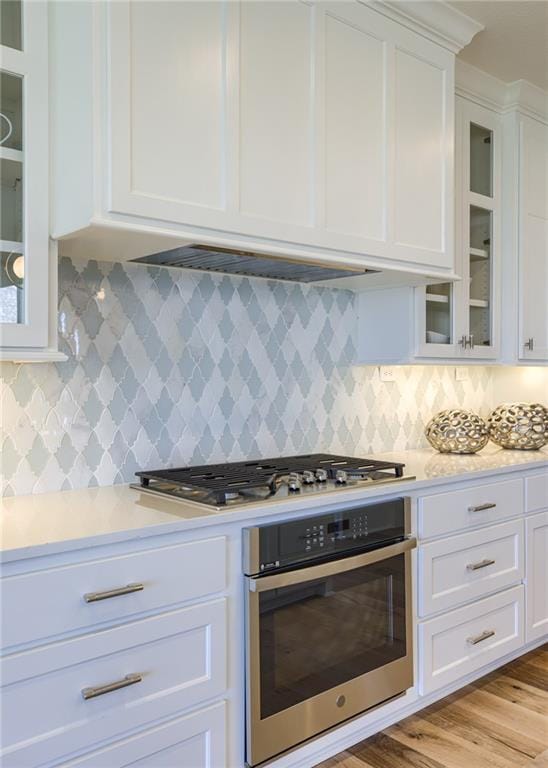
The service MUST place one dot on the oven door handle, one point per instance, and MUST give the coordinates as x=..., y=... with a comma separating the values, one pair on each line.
x=302, y=575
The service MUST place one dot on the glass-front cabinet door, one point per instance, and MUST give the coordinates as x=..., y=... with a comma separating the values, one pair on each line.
x=24, y=258
x=461, y=319
x=478, y=239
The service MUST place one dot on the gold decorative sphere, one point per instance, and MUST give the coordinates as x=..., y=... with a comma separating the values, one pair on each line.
x=521, y=426
x=457, y=431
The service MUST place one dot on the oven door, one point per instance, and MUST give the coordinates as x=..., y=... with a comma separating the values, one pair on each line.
x=325, y=643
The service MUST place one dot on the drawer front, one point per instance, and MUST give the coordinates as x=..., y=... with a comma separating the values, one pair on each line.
x=195, y=741
x=55, y=601
x=180, y=658
x=443, y=513
x=536, y=492
x=537, y=576
x=461, y=642
x=469, y=566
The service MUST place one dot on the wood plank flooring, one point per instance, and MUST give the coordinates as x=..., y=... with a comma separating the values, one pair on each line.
x=500, y=721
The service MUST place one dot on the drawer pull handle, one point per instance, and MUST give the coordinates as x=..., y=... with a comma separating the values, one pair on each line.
x=481, y=564
x=481, y=507
x=480, y=638
x=94, y=597
x=99, y=690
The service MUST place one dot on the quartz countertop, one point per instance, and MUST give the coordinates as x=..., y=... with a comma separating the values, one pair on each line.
x=49, y=523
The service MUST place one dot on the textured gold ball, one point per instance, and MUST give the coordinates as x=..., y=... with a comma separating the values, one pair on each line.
x=521, y=426
x=457, y=431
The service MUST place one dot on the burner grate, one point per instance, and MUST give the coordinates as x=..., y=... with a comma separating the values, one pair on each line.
x=222, y=481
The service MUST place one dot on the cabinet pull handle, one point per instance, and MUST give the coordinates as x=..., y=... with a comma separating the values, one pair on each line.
x=94, y=597
x=471, y=341
x=482, y=507
x=530, y=344
x=480, y=638
x=463, y=342
x=99, y=690
x=481, y=564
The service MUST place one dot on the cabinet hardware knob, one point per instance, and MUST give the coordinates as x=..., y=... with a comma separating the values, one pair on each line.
x=481, y=564
x=99, y=690
x=482, y=507
x=480, y=638
x=94, y=597
x=530, y=344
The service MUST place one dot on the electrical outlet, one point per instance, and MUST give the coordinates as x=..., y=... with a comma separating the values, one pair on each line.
x=461, y=374
x=387, y=373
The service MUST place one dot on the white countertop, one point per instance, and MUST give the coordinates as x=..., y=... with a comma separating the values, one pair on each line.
x=48, y=523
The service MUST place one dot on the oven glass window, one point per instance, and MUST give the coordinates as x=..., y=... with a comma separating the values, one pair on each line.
x=317, y=635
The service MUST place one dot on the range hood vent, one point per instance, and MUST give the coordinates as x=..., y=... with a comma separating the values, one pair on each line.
x=249, y=263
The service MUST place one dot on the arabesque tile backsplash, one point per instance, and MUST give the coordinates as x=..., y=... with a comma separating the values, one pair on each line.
x=169, y=367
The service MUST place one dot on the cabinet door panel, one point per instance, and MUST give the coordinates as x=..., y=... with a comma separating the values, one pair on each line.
x=419, y=153
x=275, y=147
x=197, y=740
x=168, y=94
x=176, y=101
x=355, y=130
x=534, y=240
x=537, y=576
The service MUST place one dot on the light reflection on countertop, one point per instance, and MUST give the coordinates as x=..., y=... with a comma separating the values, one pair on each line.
x=49, y=523
x=427, y=464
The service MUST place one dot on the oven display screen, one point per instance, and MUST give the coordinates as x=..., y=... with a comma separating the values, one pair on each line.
x=338, y=525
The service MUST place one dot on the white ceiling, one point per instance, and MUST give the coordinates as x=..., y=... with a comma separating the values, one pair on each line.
x=514, y=43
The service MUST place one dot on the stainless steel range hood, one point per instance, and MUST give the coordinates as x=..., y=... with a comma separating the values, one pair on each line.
x=250, y=263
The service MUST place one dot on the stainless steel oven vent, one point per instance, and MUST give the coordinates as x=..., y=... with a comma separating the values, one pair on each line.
x=236, y=262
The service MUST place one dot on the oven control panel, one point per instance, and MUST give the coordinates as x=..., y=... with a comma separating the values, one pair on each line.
x=289, y=543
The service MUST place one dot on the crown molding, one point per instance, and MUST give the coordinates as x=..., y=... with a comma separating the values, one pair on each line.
x=482, y=88
x=433, y=19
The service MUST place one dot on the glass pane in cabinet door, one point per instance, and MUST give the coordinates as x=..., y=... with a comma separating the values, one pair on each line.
x=11, y=111
x=480, y=294
x=481, y=160
x=11, y=24
x=439, y=308
x=11, y=245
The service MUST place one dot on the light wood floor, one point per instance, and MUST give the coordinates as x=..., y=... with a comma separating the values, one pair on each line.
x=500, y=721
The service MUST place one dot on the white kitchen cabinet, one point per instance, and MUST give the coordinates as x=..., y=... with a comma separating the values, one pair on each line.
x=28, y=264
x=162, y=665
x=537, y=576
x=460, y=642
x=197, y=740
x=119, y=641
x=320, y=130
x=457, y=321
x=533, y=240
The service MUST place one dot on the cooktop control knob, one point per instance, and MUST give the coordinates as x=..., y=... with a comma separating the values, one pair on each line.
x=294, y=482
x=308, y=477
x=321, y=475
x=341, y=477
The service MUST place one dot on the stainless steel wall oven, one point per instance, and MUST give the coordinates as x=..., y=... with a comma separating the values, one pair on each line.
x=328, y=623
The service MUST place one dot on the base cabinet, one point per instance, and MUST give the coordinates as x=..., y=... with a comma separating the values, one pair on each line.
x=537, y=576
x=463, y=641
x=197, y=740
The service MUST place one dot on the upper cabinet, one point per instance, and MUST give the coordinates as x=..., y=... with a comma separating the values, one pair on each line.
x=533, y=240
x=320, y=130
x=27, y=272
x=458, y=321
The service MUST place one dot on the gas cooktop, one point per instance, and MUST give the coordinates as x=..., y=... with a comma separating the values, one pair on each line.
x=236, y=483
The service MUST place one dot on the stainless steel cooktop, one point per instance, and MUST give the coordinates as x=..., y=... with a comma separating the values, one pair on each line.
x=222, y=486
